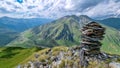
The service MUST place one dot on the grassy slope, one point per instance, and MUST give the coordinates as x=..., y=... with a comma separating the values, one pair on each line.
x=111, y=42
x=12, y=56
x=16, y=56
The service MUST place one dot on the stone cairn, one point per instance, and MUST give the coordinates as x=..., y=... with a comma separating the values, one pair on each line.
x=92, y=33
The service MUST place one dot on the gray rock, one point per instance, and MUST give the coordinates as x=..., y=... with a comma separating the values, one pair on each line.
x=114, y=65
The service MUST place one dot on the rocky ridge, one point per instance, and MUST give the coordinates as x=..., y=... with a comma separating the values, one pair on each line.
x=69, y=58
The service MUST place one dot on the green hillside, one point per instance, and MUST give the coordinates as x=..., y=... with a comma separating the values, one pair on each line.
x=64, y=31
x=111, y=42
x=13, y=56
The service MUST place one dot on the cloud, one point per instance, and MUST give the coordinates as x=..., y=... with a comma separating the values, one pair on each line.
x=109, y=8
x=59, y=8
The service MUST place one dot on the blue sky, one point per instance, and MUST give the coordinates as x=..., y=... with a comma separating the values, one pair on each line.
x=59, y=8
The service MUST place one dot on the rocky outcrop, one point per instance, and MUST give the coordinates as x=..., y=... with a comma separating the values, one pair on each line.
x=69, y=58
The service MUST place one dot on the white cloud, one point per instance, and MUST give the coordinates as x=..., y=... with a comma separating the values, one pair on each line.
x=59, y=8
x=104, y=9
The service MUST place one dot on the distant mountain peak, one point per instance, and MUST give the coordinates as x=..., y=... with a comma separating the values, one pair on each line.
x=85, y=16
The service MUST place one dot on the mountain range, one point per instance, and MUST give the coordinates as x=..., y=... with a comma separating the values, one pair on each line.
x=7, y=35
x=21, y=24
x=112, y=22
x=64, y=31
x=11, y=27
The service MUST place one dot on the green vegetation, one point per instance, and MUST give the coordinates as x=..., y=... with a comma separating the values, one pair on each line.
x=111, y=42
x=12, y=56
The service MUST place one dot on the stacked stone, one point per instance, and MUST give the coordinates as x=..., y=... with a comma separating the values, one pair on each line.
x=92, y=33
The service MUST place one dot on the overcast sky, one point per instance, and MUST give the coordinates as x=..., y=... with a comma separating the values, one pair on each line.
x=59, y=8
